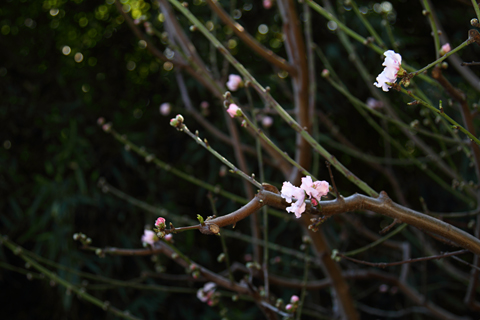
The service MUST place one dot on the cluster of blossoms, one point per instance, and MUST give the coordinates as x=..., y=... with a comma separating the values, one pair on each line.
x=234, y=82
x=207, y=294
x=314, y=190
x=149, y=237
x=293, y=305
x=393, y=68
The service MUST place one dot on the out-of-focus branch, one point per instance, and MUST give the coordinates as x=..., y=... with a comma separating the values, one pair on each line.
x=250, y=41
x=296, y=50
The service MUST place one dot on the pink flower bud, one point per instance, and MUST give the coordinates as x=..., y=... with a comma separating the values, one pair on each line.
x=148, y=28
x=165, y=109
x=233, y=110
x=149, y=237
x=288, y=307
x=373, y=103
x=100, y=121
x=234, y=82
x=160, y=223
x=445, y=49
x=267, y=121
x=267, y=4
x=294, y=299
x=107, y=127
x=169, y=237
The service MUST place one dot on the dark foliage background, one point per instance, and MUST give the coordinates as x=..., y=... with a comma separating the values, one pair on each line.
x=53, y=153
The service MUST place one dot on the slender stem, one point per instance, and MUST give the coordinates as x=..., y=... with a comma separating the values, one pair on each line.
x=367, y=25
x=477, y=9
x=433, y=25
x=207, y=146
x=434, y=63
x=304, y=283
x=151, y=158
x=386, y=264
x=79, y=291
x=262, y=135
x=440, y=111
x=375, y=243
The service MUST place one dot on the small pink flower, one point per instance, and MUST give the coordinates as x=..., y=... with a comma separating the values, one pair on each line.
x=160, y=223
x=233, y=110
x=288, y=307
x=392, y=63
x=289, y=191
x=165, y=109
x=206, y=293
x=169, y=237
x=107, y=127
x=445, y=49
x=234, y=82
x=149, y=237
x=373, y=103
x=267, y=121
x=294, y=299
x=148, y=28
x=267, y=4
x=315, y=190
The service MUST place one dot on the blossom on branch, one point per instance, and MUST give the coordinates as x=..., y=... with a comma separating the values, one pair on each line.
x=234, y=111
x=160, y=223
x=315, y=191
x=234, y=82
x=149, y=237
x=445, y=49
x=393, y=66
x=207, y=293
x=289, y=191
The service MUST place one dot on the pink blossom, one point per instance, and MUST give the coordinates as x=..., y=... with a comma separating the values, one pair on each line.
x=107, y=127
x=267, y=121
x=169, y=237
x=267, y=4
x=288, y=307
x=289, y=191
x=165, y=108
x=206, y=293
x=445, y=49
x=204, y=105
x=294, y=299
x=148, y=28
x=315, y=190
x=160, y=223
x=149, y=237
x=234, y=82
x=373, y=103
x=233, y=110
x=392, y=63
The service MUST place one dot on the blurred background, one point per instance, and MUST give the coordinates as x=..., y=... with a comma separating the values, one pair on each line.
x=65, y=63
